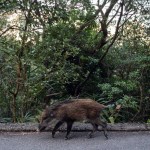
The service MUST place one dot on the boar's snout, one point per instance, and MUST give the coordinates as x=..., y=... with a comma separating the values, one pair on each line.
x=41, y=128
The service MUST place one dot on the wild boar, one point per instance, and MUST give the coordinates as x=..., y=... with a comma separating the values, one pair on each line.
x=74, y=110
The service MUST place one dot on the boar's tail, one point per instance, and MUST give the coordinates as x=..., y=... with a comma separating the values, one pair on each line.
x=117, y=106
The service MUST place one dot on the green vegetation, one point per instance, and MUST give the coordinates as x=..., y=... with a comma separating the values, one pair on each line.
x=51, y=50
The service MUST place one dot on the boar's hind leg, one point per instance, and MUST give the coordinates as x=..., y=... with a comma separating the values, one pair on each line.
x=59, y=123
x=69, y=127
x=104, y=126
x=95, y=128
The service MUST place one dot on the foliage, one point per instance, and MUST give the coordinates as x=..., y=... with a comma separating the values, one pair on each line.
x=53, y=49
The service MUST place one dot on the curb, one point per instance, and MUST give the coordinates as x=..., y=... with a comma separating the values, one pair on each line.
x=33, y=127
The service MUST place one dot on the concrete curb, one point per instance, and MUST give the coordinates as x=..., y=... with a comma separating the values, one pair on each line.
x=33, y=127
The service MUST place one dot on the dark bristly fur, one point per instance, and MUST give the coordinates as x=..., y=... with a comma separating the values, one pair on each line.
x=73, y=110
x=57, y=105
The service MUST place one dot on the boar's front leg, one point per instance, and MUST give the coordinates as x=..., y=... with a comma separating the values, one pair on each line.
x=69, y=127
x=59, y=123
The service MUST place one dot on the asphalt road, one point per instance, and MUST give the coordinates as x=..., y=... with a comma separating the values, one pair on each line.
x=78, y=141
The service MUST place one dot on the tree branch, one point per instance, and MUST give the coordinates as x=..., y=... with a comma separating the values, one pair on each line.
x=116, y=33
x=102, y=41
x=9, y=28
x=112, y=4
x=113, y=16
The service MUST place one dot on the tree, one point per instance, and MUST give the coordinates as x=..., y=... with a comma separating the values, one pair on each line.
x=129, y=82
x=60, y=49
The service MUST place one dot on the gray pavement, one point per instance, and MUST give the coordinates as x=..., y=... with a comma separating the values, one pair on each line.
x=43, y=141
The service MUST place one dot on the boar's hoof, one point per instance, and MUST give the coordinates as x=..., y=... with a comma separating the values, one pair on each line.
x=106, y=137
x=41, y=128
x=53, y=134
x=67, y=138
x=90, y=135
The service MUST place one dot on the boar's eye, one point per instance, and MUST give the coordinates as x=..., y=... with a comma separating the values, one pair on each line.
x=51, y=114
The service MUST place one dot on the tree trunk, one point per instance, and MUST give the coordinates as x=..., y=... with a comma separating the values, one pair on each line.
x=14, y=108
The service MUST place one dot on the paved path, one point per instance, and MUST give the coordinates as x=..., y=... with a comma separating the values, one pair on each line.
x=78, y=141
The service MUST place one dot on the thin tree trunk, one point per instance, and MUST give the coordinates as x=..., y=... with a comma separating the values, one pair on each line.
x=14, y=108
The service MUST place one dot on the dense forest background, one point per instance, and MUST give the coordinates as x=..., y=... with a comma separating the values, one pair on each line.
x=51, y=50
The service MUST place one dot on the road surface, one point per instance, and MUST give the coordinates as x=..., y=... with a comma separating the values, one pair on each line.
x=78, y=141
